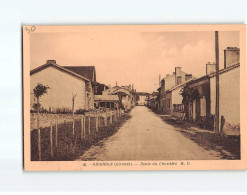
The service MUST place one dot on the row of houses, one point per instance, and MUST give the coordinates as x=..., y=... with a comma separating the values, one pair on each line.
x=184, y=96
x=123, y=97
x=77, y=85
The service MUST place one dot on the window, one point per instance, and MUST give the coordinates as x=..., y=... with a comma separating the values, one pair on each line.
x=178, y=107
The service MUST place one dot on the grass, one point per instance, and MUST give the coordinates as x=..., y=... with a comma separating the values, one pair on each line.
x=228, y=146
x=70, y=147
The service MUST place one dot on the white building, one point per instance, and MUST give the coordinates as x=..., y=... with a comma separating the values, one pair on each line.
x=63, y=83
x=142, y=98
x=203, y=108
x=229, y=94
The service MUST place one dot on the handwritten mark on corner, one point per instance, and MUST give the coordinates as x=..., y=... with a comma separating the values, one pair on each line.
x=29, y=30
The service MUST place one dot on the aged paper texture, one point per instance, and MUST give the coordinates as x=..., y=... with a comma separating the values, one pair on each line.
x=134, y=97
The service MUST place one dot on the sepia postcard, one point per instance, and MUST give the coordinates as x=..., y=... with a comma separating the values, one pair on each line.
x=134, y=97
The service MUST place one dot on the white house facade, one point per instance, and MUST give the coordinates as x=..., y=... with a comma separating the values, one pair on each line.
x=63, y=85
x=229, y=94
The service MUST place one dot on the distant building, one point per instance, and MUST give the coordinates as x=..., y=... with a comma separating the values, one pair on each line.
x=99, y=88
x=177, y=78
x=152, y=100
x=126, y=96
x=142, y=98
x=64, y=82
x=106, y=101
x=173, y=100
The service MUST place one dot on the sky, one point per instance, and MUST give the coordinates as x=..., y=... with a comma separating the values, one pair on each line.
x=136, y=58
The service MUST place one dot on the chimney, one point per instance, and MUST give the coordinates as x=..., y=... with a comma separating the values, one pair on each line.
x=178, y=71
x=51, y=62
x=178, y=75
x=210, y=68
x=231, y=56
x=188, y=76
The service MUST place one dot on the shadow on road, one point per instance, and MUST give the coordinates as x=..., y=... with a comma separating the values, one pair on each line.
x=228, y=146
x=97, y=138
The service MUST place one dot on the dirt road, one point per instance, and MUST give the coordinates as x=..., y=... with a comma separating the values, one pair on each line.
x=146, y=137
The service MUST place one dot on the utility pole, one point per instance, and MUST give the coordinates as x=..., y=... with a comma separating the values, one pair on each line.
x=217, y=84
x=159, y=79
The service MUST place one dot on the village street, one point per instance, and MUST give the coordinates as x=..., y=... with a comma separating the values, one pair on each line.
x=146, y=137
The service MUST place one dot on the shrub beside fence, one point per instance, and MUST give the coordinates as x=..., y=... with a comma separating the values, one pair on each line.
x=61, y=140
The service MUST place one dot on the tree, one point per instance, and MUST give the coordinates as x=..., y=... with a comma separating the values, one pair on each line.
x=188, y=94
x=39, y=91
x=73, y=112
x=73, y=103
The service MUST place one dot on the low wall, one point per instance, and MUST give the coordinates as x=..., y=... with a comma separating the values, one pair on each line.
x=45, y=119
x=177, y=114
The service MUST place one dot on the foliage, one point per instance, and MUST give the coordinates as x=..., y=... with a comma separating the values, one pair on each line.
x=137, y=97
x=81, y=111
x=36, y=106
x=40, y=90
x=188, y=94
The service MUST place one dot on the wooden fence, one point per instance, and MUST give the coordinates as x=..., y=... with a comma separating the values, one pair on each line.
x=60, y=138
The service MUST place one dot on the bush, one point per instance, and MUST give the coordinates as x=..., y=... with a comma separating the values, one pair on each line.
x=80, y=111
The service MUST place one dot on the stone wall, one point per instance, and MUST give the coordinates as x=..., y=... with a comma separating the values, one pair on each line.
x=46, y=119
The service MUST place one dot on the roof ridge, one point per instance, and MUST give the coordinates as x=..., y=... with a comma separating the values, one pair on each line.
x=60, y=67
x=79, y=66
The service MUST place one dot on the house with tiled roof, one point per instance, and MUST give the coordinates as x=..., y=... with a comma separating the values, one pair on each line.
x=171, y=80
x=86, y=71
x=64, y=82
x=173, y=100
x=126, y=97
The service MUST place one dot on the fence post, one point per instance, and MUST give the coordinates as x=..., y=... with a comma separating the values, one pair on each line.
x=56, y=133
x=51, y=141
x=100, y=119
x=39, y=144
x=89, y=125
x=105, y=119
x=73, y=127
x=110, y=117
x=222, y=125
x=84, y=126
x=97, y=122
